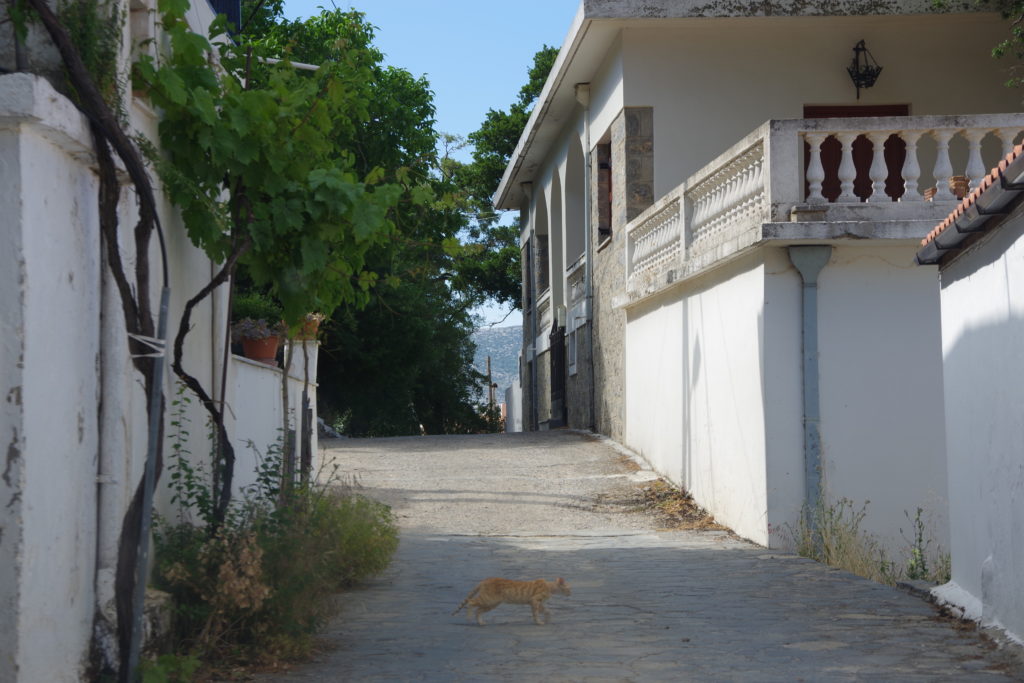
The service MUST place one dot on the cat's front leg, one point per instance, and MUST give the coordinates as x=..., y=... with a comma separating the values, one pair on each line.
x=538, y=609
x=547, y=614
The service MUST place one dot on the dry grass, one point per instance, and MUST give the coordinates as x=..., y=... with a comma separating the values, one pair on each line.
x=676, y=508
x=628, y=463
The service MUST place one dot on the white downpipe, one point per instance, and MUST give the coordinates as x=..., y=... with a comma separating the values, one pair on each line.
x=809, y=261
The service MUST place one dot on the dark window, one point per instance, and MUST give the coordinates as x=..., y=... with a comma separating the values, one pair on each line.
x=604, y=191
x=543, y=280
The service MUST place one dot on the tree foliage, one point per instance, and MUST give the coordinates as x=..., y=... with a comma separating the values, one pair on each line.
x=251, y=158
x=405, y=359
x=495, y=269
x=254, y=164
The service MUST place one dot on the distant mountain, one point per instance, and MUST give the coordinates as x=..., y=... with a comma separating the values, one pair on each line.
x=502, y=344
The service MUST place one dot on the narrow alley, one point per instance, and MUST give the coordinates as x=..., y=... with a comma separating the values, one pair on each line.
x=646, y=604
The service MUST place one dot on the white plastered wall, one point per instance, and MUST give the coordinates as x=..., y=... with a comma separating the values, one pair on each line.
x=782, y=365
x=694, y=393
x=982, y=329
x=722, y=415
x=50, y=464
x=607, y=93
x=878, y=317
x=255, y=417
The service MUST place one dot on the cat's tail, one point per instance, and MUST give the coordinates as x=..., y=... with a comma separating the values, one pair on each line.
x=468, y=598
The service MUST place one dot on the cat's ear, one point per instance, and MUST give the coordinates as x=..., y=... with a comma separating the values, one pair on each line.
x=561, y=581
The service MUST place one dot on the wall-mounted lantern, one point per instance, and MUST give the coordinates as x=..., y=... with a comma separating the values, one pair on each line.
x=863, y=69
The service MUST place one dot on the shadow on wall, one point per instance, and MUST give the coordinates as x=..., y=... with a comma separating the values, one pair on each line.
x=984, y=385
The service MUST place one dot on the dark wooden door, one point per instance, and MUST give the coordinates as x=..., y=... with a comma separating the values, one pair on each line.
x=832, y=153
x=559, y=409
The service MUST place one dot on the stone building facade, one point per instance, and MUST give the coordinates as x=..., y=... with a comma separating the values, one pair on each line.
x=714, y=151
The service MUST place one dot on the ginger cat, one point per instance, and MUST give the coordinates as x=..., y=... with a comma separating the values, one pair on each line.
x=490, y=593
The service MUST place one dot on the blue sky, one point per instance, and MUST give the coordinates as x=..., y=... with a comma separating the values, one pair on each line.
x=474, y=53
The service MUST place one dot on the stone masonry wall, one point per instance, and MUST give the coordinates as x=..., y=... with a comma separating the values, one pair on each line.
x=632, y=178
x=579, y=386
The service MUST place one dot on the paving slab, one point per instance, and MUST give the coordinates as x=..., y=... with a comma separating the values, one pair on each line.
x=646, y=604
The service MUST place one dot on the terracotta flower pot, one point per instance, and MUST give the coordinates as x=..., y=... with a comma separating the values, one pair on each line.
x=309, y=330
x=262, y=350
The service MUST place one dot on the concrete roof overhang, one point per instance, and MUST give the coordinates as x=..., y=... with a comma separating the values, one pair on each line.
x=595, y=28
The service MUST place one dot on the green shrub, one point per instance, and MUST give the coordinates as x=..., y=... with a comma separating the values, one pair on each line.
x=170, y=669
x=257, y=587
x=262, y=584
x=832, y=534
x=256, y=306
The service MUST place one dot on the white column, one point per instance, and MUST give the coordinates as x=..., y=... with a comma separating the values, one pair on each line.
x=879, y=171
x=815, y=171
x=911, y=167
x=943, y=167
x=975, y=170
x=847, y=171
x=1007, y=135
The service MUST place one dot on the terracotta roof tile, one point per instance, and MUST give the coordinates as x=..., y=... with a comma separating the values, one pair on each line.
x=988, y=181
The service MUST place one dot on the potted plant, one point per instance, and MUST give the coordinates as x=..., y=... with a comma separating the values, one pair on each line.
x=257, y=327
x=310, y=327
x=259, y=339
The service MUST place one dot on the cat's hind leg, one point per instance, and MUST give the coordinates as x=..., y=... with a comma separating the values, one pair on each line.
x=480, y=609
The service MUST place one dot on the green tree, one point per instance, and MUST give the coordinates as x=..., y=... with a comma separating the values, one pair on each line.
x=248, y=155
x=253, y=161
x=494, y=269
x=405, y=359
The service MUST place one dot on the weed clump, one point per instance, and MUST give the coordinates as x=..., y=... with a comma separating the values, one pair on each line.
x=256, y=587
x=832, y=534
x=677, y=508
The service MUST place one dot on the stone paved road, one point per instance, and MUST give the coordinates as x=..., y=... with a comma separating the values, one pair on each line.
x=647, y=605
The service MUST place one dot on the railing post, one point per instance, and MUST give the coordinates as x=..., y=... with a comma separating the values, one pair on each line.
x=943, y=168
x=1006, y=136
x=815, y=171
x=975, y=170
x=847, y=171
x=911, y=167
x=879, y=171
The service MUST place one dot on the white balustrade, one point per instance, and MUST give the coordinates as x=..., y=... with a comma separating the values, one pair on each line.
x=1006, y=135
x=815, y=171
x=722, y=208
x=879, y=171
x=657, y=240
x=1004, y=128
x=575, y=284
x=735, y=194
x=911, y=168
x=847, y=170
x=544, y=313
x=943, y=167
x=975, y=170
